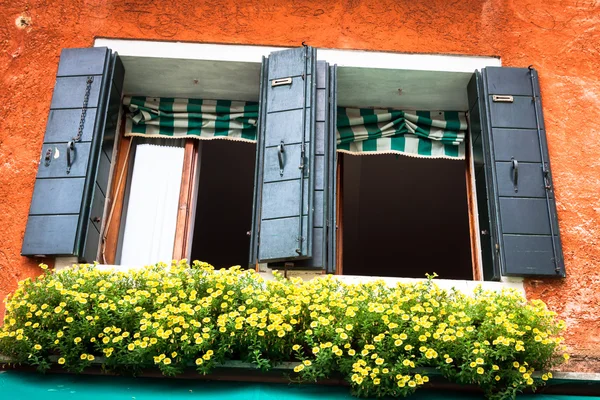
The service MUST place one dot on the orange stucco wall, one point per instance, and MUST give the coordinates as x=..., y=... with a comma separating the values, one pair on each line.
x=561, y=38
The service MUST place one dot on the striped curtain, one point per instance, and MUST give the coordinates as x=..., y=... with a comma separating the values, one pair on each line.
x=428, y=134
x=191, y=118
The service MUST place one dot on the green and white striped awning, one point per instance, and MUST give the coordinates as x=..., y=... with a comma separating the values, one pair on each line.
x=191, y=118
x=429, y=134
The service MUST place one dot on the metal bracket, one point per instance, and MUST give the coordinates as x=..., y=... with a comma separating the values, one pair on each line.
x=281, y=82
x=498, y=98
x=48, y=157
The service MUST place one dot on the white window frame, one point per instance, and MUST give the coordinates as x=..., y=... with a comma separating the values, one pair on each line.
x=343, y=59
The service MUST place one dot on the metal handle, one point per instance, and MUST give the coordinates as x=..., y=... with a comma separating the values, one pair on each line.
x=70, y=149
x=280, y=156
x=515, y=174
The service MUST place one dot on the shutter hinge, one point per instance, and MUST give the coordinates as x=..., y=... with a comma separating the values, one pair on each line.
x=547, y=184
x=299, y=249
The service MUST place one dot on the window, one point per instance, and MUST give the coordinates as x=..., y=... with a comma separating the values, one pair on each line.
x=299, y=187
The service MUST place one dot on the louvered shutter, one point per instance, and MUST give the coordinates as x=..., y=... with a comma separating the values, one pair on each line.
x=67, y=206
x=285, y=182
x=517, y=211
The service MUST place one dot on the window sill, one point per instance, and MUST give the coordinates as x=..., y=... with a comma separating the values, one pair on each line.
x=462, y=286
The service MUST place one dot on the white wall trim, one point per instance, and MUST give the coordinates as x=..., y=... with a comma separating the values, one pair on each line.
x=254, y=54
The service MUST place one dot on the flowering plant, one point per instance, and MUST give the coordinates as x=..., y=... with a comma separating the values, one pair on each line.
x=383, y=340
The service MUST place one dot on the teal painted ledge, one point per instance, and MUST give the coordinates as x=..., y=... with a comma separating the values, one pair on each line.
x=19, y=385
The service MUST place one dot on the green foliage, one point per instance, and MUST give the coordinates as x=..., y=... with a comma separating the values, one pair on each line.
x=381, y=339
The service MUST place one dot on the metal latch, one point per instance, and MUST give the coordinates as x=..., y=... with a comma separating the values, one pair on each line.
x=500, y=98
x=281, y=82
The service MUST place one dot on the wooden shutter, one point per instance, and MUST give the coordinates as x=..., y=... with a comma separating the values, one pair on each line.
x=324, y=171
x=517, y=211
x=67, y=206
x=285, y=178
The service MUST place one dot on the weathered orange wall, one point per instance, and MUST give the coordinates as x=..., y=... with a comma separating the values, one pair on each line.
x=561, y=38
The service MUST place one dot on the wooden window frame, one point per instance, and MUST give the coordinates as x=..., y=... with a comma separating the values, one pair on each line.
x=186, y=210
x=116, y=201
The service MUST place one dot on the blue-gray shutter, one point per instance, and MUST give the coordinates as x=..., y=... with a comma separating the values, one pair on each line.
x=284, y=197
x=67, y=208
x=517, y=210
x=331, y=143
x=324, y=171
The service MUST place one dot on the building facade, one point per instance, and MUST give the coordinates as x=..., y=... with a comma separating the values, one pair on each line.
x=560, y=39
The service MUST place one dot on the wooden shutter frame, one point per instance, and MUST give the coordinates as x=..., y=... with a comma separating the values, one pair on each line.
x=184, y=230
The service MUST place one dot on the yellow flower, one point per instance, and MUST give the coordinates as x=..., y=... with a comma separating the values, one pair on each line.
x=59, y=334
x=69, y=320
x=351, y=352
x=37, y=347
x=412, y=383
x=131, y=347
x=376, y=381
x=167, y=361
x=516, y=364
x=77, y=340
x=83, y=356
x=497, y=378
x=298, y=368
x=449, y=360
x=495, y=367
x=480, y=371
x=61, y=361
x=90, y=357
x=308, y=363
x=199, y=361
x=296, y=347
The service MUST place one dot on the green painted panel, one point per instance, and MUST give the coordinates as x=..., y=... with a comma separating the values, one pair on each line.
x=24, y=386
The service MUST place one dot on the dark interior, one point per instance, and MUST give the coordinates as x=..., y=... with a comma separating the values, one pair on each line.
x=224, y=208
x=405, y=217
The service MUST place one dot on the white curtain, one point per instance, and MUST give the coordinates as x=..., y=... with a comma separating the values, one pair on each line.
x=151, y=217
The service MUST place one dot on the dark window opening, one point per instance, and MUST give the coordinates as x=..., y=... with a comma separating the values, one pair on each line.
x=224, y=203
x=405, y=217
